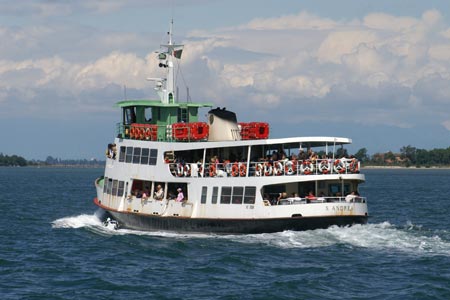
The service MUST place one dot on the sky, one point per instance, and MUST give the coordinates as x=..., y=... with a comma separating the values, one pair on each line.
x=377, y=72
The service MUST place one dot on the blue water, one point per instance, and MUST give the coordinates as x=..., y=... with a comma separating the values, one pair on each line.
x=52, y=246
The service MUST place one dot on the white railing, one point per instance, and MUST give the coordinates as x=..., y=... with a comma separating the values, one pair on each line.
x=267, y=168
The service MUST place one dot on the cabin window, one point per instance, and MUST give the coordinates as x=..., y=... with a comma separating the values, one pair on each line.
x=122, y=154
x=153, y=156
x=215, y=193
x=249, y=195
x=226, y=195
x=114, y=188
x=136, y=155
x=129, y=154
x=204, y=192
x=335, y=188
x=238, y=193
x=144, y=156
x=105, y=185
x=109, y=191
x=120, y=189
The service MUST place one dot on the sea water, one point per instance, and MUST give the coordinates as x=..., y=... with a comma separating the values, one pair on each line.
x=53, y=246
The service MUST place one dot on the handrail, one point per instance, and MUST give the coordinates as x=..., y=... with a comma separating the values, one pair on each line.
x=267, y=168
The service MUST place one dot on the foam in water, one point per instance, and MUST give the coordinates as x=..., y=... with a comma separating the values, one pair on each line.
x=383, y=236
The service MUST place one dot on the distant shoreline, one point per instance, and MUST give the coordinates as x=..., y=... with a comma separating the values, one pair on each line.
x=406, y=168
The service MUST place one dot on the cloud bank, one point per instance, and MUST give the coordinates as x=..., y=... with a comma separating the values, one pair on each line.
x=380, y=69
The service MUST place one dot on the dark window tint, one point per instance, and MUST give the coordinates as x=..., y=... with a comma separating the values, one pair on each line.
x=109, y=186
x=136, y=155
x=144, y=156
x=238, y=193
x=122, y=153
x=114, y=188
x=129, y=154
x=215, y=193
x=120, y=189
x=250, y=194
x=153, y=156
x=226, y=195
x=105, y=185
x=204, y=192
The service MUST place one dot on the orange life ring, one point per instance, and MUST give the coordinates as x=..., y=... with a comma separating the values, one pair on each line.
x=339, y=166
x=235, y=170
x=180, y=170
x=147, y=133
x=267, y=169
x=354, y=166
x=242, y=170
x=277, y=168
x=307, y=167
x=187, y=171
x=324, y=166
x=259, y=170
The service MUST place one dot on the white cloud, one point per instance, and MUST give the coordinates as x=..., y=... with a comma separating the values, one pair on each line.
x=290, y=62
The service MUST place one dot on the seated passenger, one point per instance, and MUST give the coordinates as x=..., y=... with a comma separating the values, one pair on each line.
x=311, y=196
x=159, y=193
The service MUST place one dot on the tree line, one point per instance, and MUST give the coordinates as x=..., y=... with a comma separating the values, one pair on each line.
x=18, y=161
x=408, y=156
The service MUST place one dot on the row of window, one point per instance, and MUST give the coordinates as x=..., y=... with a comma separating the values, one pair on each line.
x=113, y=187
x=231, y=194
x=137, y=155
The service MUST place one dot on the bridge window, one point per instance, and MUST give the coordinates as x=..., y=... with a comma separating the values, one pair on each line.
x=182, y=115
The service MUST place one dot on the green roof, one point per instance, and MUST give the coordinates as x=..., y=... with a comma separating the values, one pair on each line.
x=157, y=103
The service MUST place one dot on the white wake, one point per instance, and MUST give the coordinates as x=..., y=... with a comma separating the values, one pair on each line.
x=383, y=236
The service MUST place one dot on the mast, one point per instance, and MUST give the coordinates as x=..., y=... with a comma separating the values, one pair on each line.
x=165, y=87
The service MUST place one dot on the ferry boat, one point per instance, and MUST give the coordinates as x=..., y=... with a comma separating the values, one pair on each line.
x=168, y=170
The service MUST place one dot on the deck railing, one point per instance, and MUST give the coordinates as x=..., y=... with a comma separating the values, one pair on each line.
x=266, y=168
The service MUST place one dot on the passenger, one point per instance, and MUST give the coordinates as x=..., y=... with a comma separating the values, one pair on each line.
x=159, y=193
x=281, y=196
x=311, y=196
x=180, y=196
x=302, y=155
x=351, y=197
x=138, y=194
x=321, y=197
